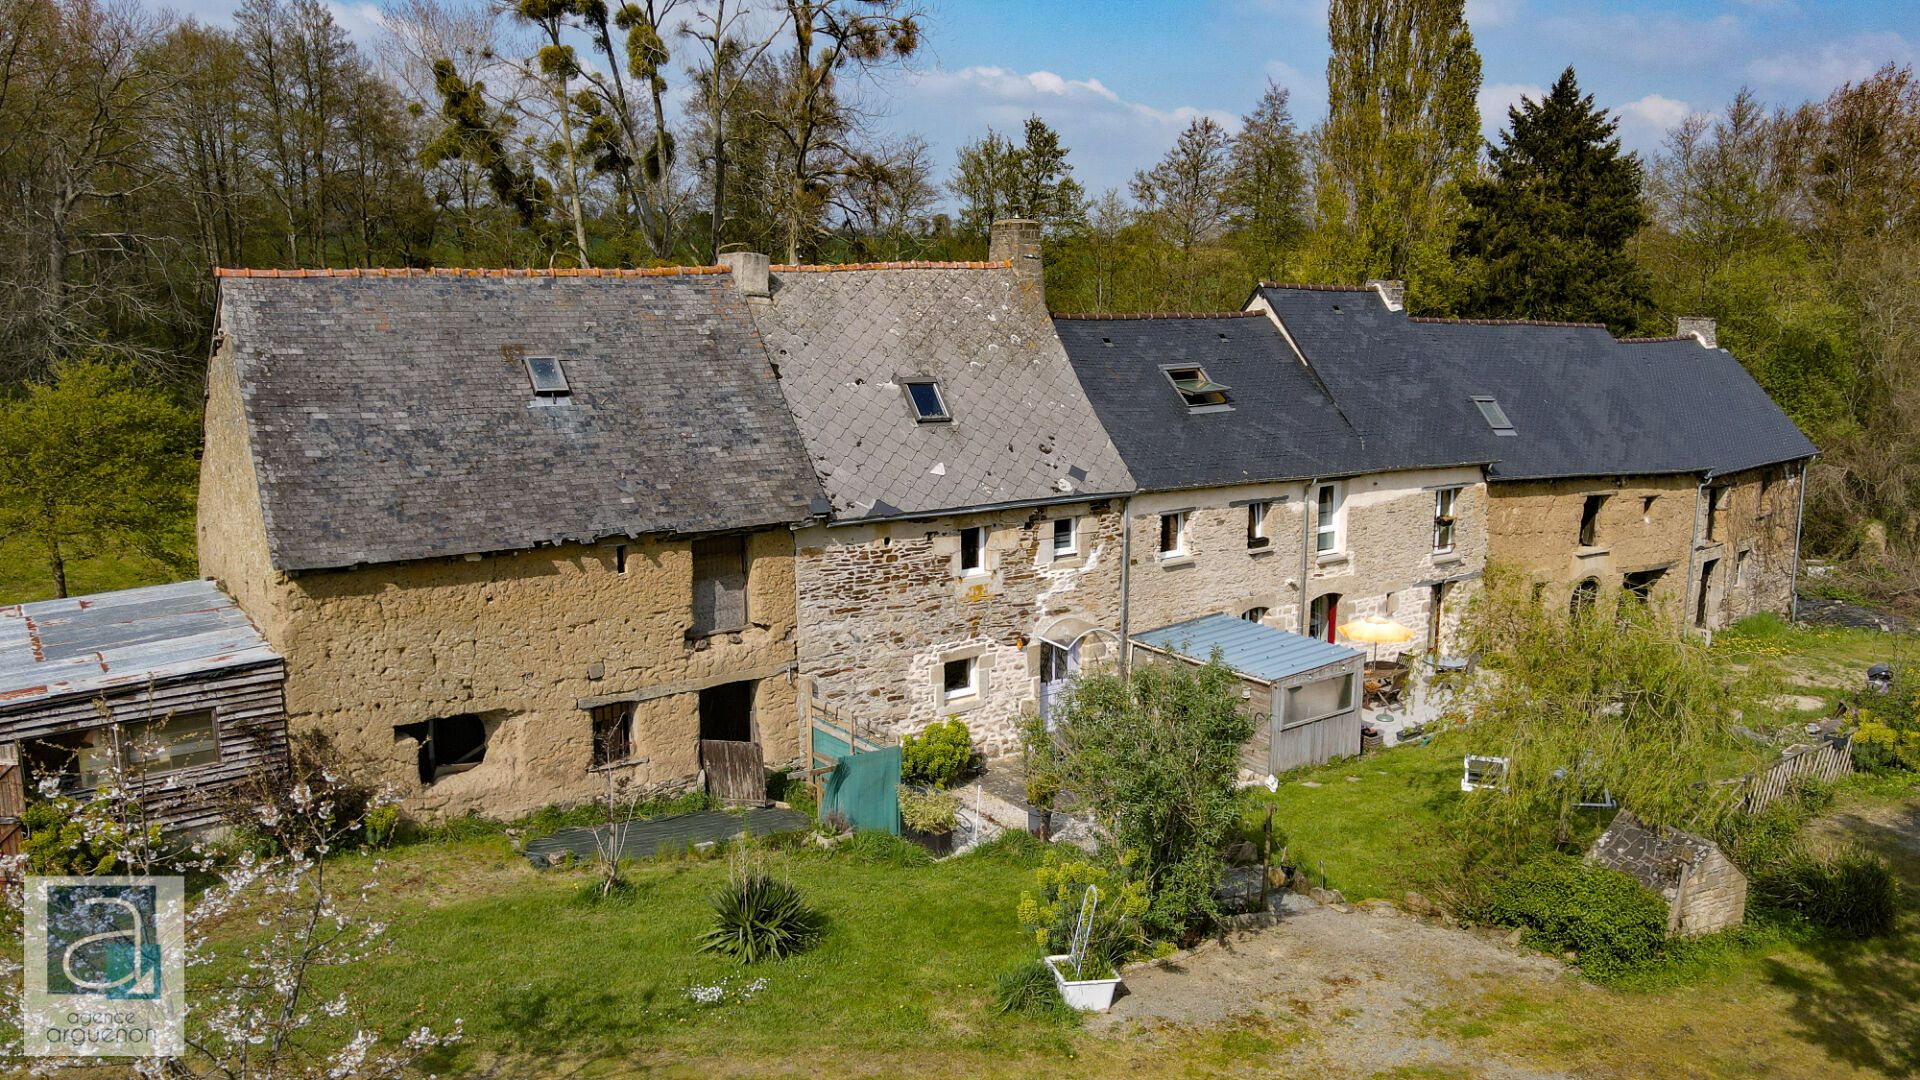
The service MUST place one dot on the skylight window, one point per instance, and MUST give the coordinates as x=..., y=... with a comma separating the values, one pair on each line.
x=928, y=406
x=1198, y=391
x=549, y=380
x=1496, y=416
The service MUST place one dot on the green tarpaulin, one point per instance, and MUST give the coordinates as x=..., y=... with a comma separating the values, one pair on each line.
x=865, y=790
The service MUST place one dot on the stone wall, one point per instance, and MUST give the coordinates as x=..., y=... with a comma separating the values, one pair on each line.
x=883, y=607
x=524, y=640
x=1648, y=524
x=1385, y=565
x=1712, y=896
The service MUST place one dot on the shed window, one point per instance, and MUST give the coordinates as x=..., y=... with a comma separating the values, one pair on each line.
x=1195, y=389
x=1325, y=697
x=973, y=550
x=1496, y=416
x=1326, y=519
x=84, y=760
x=612, y=733
x=1257, y=524
x=929, y=407
x=719, y=585
x=1066, y=537
x=1590, y=520
x=1173, y=535
x=960, y=679
x=549, y=378
x=1443, y=520
x=448, y=744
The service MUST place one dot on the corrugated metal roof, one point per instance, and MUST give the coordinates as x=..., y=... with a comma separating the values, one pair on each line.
x=1266, y=653
x=87, y=645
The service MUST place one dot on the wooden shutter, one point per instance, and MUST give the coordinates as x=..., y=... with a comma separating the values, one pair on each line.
x=719, y=585
x=13, y=799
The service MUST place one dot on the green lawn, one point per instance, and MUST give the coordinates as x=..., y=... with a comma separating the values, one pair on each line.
x=24, y=575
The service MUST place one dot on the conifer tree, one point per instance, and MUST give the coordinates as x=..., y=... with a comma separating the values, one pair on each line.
x=1546, y=234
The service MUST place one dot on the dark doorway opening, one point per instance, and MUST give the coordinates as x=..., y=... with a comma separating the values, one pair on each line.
x=1640, y=583
x=1704, y=606
x=726, y=712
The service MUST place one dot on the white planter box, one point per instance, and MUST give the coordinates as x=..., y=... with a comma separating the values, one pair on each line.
x=1087, y=995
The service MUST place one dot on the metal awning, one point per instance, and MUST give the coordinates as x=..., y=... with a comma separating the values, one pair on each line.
x=1255, y=650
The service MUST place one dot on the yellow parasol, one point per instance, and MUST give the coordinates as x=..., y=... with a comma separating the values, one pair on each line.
x=1376, y=630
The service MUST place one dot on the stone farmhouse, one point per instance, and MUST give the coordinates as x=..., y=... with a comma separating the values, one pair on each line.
x=1652, y=465
x=508, y=531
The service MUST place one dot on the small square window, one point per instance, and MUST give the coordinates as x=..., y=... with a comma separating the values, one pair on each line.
x=1257, y=513
x=612, y=733
x=1496, y=416
x=1066, y=537
x=959, y=679
x=929, y=407
x=1196, y=390
x=973, y=551
x=1173, y=535
x=549, y=379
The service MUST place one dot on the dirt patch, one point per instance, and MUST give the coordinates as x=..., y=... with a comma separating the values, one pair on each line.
x=1361, y=984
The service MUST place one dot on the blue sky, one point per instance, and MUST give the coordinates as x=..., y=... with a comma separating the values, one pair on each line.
x=1120, y=78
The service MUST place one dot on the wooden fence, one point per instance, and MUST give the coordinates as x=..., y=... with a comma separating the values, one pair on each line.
x=1828, y=761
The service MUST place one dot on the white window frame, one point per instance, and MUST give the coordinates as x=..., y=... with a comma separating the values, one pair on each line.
x=1444, y=501
x=1180, y=523
x=1259, y=516
x=1073, y=538
x=980, y=550
x=1328, y=524
x=972, y=689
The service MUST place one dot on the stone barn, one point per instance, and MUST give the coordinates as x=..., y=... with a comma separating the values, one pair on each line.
x=1704, y=891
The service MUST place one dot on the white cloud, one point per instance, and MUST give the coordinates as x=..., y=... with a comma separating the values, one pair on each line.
x=1651, y=41
x=1497, y=98
x=1819, y=70
x=1492, y=12
x=1644, y=123
x=1108, y=136
x=364, y=22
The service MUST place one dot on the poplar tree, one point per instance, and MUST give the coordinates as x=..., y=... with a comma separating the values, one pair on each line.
x=1546, y=234
x=1402, y=129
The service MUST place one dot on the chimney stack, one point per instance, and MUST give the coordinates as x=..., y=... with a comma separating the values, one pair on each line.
x=1701, y=327
x=1017, y=240
x=749, y=272
x=1393, y=292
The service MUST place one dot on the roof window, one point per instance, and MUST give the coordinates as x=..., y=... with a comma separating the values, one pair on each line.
x=1198, y=391
x=928, y=406
x=549, y=380
x=1496, y=416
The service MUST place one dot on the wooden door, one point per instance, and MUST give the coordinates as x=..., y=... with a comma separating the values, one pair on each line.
x=13, y=799
x=735, y=770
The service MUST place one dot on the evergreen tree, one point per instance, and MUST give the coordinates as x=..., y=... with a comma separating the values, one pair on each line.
x=1268, y=185
x=1402, y=129
x=1546, y=234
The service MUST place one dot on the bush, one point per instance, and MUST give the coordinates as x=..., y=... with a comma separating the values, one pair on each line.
x=66, y=837
x=758, y=917
x=928, y=811
x=938, y=755
x=1028, y=989
x=1854, y=893
x=1610, y=921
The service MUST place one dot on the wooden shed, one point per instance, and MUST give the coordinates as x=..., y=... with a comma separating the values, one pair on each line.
x=171, y=686
x=1307, y=691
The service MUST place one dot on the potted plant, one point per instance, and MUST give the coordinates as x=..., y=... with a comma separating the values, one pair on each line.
x=1088, y=990
x=928, y=818
x=1043, y=786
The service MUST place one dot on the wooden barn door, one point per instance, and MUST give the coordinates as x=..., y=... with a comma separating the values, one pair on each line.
x=13, y=799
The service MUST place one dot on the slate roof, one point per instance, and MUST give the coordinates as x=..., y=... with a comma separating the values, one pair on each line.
x=1282, y=424
x=1656, y=857
x=391, y=416
x=1264, y=652
x=88, y=645
x=1582, y=403
x=1022, y=431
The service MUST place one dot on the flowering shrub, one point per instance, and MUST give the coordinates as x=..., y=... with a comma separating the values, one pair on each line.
x=1050, y=911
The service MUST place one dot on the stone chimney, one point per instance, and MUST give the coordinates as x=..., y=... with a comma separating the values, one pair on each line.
x=1699, y=326
x=749, y=272
x=1393, y=292
x=1018, y=240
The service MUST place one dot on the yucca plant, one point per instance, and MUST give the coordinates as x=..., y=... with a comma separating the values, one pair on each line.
x=758, y=917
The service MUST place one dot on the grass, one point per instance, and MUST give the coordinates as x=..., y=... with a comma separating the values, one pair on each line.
x=24, y=576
